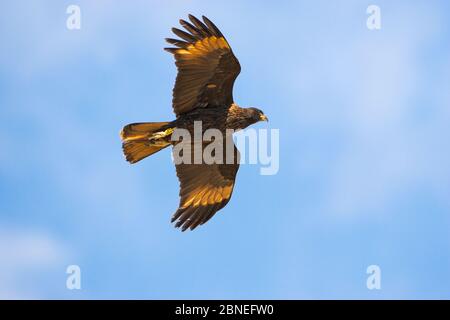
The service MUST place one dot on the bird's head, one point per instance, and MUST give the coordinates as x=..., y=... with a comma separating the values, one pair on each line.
x=256, y=115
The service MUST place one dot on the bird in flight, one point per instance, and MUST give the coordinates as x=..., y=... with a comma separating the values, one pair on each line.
x=203, y=92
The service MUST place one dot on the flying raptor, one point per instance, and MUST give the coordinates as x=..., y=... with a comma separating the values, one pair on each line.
x=203, y=93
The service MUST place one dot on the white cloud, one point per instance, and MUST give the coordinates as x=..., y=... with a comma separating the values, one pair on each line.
x=26, y=256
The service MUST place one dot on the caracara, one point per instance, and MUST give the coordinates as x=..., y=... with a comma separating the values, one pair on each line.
x=203, y=93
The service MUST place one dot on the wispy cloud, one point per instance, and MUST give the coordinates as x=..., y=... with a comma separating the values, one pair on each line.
x=26, y=258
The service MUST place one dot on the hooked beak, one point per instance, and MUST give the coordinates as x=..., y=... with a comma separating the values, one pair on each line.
x=263, y=118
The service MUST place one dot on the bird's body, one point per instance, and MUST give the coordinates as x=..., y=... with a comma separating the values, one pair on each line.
x=202, y=94
x=217, y=117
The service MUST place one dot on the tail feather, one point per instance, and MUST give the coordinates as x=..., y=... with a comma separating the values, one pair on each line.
x=135, y=131
x=137, y=142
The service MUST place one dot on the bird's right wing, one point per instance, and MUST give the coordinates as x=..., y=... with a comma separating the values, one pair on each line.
x=206, y=66
x=204, y=190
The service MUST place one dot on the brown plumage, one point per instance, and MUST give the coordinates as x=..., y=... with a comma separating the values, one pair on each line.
x=207, y=69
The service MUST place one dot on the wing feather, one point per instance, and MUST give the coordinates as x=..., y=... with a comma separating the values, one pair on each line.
x=178, y=43
x=212, y=27
x=184, y=35
x=200, y=26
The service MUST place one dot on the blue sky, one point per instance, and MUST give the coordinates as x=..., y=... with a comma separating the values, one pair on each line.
x=364, y=152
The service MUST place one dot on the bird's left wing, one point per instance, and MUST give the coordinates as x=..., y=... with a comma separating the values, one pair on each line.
x=204, y=190
x=206, y=66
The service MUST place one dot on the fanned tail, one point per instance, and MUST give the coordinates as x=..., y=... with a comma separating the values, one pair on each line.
x=140, y=140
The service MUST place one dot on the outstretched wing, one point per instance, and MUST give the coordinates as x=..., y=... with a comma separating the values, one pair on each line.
x=204, y=190
x=206, y=66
